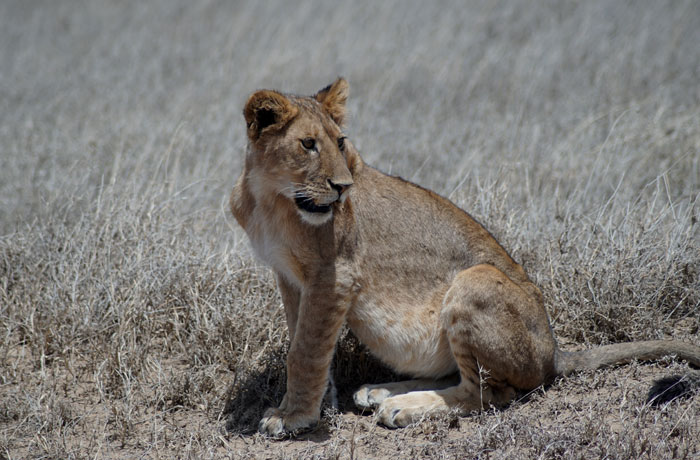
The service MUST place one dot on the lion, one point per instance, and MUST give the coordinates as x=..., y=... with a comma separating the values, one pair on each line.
x=424, y=286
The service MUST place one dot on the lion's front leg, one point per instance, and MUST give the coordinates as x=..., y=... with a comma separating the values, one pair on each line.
x=317, y=327
x=291, y=297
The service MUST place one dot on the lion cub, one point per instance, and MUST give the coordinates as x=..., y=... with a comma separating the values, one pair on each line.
x=423, y=285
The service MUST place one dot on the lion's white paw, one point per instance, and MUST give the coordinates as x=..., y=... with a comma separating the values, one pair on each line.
x=370, y=396
x=402, y=410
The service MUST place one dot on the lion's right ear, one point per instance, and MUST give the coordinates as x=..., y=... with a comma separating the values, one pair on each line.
x=267, y=109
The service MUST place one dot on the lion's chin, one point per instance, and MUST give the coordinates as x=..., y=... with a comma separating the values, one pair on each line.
x=315, y=218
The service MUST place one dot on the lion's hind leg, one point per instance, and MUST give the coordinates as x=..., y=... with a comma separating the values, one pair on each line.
x=371, y=396
x=407, y=408
x=499, y=336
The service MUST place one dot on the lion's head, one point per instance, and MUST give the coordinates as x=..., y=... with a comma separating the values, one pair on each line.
x=297, y=149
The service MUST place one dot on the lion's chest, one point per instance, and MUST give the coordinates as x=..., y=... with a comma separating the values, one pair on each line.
x=271, y=246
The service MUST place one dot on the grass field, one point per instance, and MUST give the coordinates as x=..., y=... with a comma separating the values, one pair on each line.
x=134, y=322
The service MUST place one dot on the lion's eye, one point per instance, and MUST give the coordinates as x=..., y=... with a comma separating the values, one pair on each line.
x=309, y=143
x=341, y=143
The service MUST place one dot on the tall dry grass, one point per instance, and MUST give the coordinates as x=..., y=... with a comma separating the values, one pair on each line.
x=135, y=322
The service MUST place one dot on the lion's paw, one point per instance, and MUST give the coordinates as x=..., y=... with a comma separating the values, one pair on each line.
x=402, y=410
x=371, y=396
x=280, y=424
x=394, y=416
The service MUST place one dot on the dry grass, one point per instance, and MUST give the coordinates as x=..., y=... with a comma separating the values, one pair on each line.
x=134, y=322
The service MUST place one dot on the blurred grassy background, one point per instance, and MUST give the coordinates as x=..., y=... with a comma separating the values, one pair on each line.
x=570, y=129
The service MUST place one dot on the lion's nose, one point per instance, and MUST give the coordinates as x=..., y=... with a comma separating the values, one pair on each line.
x=339, y=187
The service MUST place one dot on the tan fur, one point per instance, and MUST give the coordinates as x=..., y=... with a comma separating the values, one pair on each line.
x=423, y=285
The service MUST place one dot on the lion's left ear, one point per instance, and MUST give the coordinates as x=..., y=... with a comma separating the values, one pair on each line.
x=333, y=98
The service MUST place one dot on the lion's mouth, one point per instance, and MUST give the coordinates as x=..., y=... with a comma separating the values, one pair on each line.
x=307, y=204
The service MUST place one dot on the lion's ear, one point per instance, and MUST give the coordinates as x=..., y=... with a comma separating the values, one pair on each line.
x=333, y=98
x=267, y=109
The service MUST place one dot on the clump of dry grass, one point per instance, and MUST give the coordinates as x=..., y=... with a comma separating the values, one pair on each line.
x=134, y=321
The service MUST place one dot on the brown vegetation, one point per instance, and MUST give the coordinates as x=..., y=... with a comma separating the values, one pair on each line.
x=134, y=321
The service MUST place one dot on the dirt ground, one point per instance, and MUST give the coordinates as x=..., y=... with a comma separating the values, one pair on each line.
x=591, y=415
x=63, y=411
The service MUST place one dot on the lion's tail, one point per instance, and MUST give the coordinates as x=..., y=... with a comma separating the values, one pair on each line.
x=664, y=390
x=620, y=353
